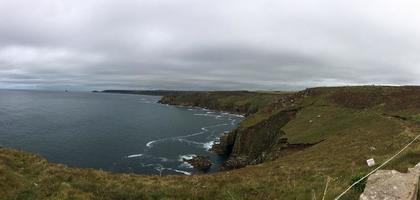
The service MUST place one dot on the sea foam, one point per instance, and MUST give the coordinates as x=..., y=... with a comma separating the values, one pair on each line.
x=150, y=144
x=134, y=155
x=208, y=145
x=187, y=157
x=183, y=172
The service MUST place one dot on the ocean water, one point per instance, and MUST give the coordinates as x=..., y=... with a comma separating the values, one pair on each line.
x=112, y=132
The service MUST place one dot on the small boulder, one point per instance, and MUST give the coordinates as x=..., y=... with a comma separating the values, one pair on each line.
x=199, y=162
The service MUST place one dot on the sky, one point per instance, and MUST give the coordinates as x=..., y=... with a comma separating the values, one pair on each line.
x=207, y=45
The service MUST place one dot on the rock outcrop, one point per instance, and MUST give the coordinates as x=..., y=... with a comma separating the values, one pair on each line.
x=199, y=162
x=391, y=184
x=415, y=169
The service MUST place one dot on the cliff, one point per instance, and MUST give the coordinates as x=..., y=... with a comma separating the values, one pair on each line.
x=254, y=144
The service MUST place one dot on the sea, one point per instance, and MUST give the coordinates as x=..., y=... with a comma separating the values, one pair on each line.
x=122, y=133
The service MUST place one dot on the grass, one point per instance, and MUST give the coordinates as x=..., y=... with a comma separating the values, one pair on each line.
x=310, y=123
x=347, y=134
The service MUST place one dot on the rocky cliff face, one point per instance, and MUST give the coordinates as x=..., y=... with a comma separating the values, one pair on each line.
x=253, y=145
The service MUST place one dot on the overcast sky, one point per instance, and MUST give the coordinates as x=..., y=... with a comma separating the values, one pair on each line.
x=207, y=45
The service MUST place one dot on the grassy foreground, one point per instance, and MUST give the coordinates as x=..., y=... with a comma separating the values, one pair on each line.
x=349, y=125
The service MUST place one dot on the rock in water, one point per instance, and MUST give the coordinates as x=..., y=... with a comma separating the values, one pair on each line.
x=199, y=162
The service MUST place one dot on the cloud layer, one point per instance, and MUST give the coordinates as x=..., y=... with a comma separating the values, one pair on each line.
x=211, y=45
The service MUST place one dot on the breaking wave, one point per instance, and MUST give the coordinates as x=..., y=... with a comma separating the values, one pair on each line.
x=134, y=155
x=187, y=157
x=208, y=145
x=180, y=138
x=183, y=172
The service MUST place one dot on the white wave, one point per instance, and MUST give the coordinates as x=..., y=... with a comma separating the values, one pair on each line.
x=234, y=115
x=187, y=157
x=189, y=141
x=209, y=112
x=179, y=171
x=204, y=130
x=185, y=165
x=183, y=172
x=150, y=144
x=205, y=145
x=190, y=135
x=199, y=114
x=134, y=155
x=190, y=109
x=208, y=145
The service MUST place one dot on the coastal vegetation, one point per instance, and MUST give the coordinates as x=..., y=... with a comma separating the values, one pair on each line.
x=292, y=145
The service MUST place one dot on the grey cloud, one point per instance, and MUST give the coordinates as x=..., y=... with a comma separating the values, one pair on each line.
x=212, y=45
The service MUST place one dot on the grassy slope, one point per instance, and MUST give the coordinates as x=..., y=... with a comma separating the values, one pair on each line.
x=347, y=127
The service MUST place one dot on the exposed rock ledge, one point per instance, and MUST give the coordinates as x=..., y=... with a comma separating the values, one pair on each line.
x=391, y=184
x=199, y=162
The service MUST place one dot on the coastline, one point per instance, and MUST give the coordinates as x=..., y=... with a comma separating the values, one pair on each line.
x=210, y=144
x=204, y=108
x=342, y=120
